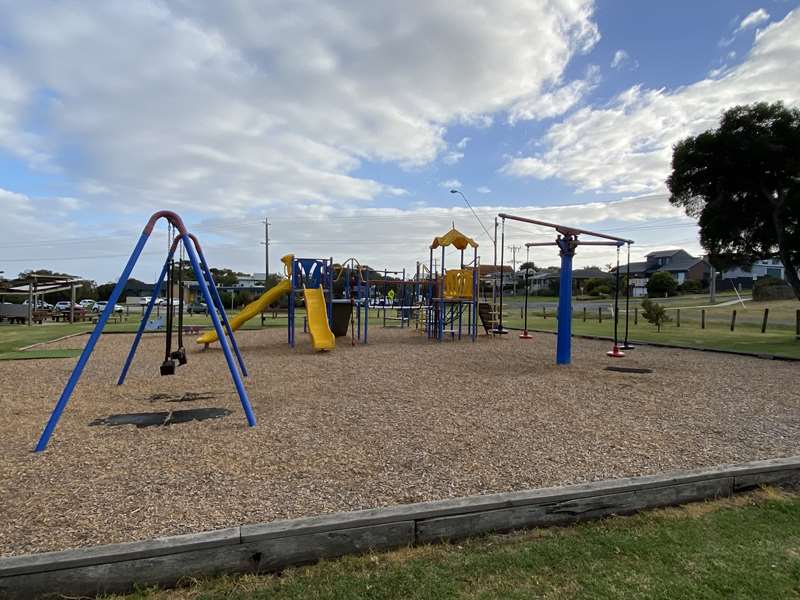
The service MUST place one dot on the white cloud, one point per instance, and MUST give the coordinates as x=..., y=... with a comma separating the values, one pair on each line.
x=381, y=237
x=449, y=184
x=754, y=18
x=230, y=106
x=620, y=56
x=483, y=190
x=555, y=102
x=626, y=146
x=462, y=143
x=452, y=157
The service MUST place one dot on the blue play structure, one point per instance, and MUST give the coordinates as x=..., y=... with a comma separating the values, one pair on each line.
x=210, y=295
x=356, y=293
x=567, y=241
x=309, y=273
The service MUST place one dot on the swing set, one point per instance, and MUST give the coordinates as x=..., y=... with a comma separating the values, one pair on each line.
x=208, y=289
x=567, y=242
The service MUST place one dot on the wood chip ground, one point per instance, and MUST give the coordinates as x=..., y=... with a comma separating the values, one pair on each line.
x=399, y=420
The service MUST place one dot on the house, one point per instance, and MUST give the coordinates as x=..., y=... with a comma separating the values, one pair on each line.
x=743, y=277
x=678, y=263
x=549, y=280
x=490, y=275
x=250, y=281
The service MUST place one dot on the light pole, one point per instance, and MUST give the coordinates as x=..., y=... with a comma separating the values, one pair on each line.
x=266, y=250
x=493, y=239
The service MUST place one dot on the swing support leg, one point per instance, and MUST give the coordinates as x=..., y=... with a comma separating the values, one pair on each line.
x=237, y=380
x=87, y=350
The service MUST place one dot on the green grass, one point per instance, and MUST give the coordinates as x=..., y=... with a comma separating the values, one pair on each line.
x=32, y=354
x=14, y=337
x=779, y=338
x=747, y=547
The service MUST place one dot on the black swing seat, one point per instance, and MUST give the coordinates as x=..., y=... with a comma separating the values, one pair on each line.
x=168, y=367
x=179, y=355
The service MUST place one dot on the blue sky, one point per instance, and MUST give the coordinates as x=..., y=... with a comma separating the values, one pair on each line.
x=347, y=126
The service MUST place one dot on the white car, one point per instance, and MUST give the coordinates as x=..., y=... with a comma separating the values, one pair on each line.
x=87, y=303
x=101, y=306
x=41, y=304
x=64, y=306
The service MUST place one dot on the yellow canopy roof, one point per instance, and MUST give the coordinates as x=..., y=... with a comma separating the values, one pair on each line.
x=453, y=238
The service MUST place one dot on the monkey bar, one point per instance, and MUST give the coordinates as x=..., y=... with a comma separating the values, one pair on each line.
x=567, y=242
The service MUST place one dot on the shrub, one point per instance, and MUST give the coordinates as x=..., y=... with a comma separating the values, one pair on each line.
x=771, y=288
x=690, y=286
x=597, y=286
x=654, y=313
x=661, y=284
x=600, y=290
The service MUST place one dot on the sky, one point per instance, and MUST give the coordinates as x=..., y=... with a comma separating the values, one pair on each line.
x=347, y=123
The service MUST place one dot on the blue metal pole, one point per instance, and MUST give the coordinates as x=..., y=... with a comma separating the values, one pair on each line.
x=290, y=315
x=330, y=290
x=145, y=318
x=87, y=350
x=215, y=294
x=475, y=292
x=190, y=251
x=567, y=245
x=366, y=307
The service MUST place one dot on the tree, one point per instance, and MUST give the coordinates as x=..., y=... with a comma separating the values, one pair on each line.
x=661, y=283
x=654, y=313
x=225, y=276
x=528, y=265
x=597, y=286
x=690, y=286
x=104, y=290
x=742, y=181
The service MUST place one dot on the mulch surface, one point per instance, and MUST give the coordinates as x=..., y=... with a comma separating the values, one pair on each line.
x=399, y=420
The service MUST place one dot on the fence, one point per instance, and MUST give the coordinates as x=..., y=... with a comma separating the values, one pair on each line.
x=720, y=318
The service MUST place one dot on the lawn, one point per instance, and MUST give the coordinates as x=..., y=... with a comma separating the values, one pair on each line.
x=745, y=547
x=779, y=338
x=14, y=337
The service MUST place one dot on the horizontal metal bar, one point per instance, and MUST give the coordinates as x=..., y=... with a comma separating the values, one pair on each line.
x=563, y=229
x=580, y=243
x=601, y=243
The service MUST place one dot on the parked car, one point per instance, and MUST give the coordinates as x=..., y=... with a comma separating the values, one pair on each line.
x=197, y=308
x=101, y=306
x=41, y=304
x=87, y=303
x=64, y=306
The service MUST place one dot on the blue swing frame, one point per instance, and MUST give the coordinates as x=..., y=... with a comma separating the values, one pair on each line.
x=202, y=273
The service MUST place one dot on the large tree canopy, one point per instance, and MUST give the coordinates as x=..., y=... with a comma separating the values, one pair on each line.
x=742, y=181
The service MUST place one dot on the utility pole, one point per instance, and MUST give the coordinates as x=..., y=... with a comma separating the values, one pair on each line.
x=266, y=250
x=514, y=264
x=712, y=286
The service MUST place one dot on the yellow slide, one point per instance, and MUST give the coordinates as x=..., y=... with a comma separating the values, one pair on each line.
x=272, y=295
x=317, y=313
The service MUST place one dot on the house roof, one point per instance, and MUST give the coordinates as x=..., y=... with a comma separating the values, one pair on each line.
x=485, y=270
x=663, y=253
x=682, y=263
x=635, y=267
